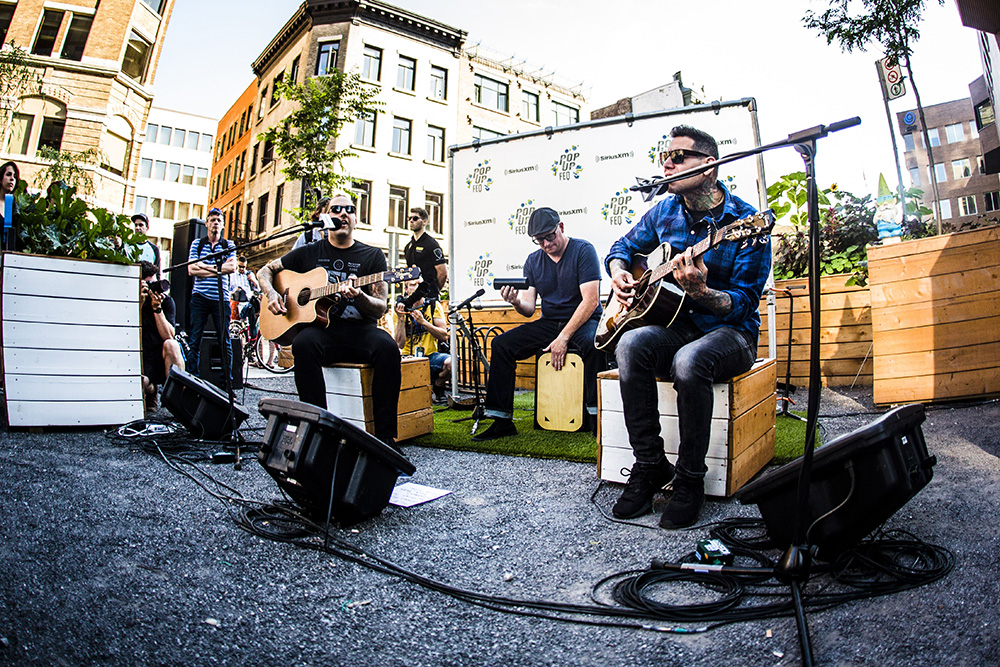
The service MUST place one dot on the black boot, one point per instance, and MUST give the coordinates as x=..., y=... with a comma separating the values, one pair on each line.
x=500, y=428
x=643, y=482
x=685, y=503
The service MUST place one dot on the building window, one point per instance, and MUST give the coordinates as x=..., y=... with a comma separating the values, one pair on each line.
x=192, y=141
x=151, y=132
x=168, y=209
x=981, y=164
x=362, y=191
x=174, y=173
x=268, y=155
x=491, y=93
x=398, y=206
x=279, y=196
x=908, y=142
x=364, y=130
x=293, y=75
x=165, y=134
x=187, y=175
x=20, y=133
x=249, y=219
x=47, y=32
x=262, y=213
x=145, y=167
x=946, y=208
x=371, y=65
x=914, y=177
x=155, y=5
x=263, y=100
x=52, y=133
x=433, y=202
x=243, y=165
x=529, y=106
x=253, y=161
x=326, y=57
x=136, y=57
x=439, y=83
x=967, y=205
x=183, y=211
x=992, y=201
x=140, y=205
x=939, y=173
x=205, y=144
x=154, y=208
x=6, y=14
x=935, y=136
x=201, y=177
x=401, y=135
x=565, y=115
x=159, y=170
x=275, y=95
x=954, y=133
x=435, y=143
x=197, y=210
x=961, y=168
x=406, y=73
x=116, y=146
x=178, y=140
x=482, y=133
x=973, y=132
x=76, y=37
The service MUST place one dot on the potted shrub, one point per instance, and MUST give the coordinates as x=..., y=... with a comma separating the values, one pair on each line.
x=69, y=325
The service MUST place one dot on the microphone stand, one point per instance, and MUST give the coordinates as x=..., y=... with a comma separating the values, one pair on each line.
x=222, y=332
x=478, y=357
x=793, y=567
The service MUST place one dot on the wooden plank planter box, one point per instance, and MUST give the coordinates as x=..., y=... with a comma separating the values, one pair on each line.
x=845, y=331
x=70, y=340
x=742, y=437
x=936, y=317
x=349, y=396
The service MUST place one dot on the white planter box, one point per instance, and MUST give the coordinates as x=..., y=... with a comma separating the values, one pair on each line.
x=70, y=337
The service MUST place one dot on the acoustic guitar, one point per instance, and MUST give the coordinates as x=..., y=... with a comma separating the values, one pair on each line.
x=657, y=299
x=309, y=296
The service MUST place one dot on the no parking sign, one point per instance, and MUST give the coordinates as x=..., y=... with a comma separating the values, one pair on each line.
x=891, y=76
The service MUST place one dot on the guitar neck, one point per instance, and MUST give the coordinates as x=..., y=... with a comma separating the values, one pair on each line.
x=698, y=249
x=334, y=288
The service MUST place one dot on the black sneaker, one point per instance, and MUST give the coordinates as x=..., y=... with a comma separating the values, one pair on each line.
x=500, y=428
x=685, y=504
x=643, y=482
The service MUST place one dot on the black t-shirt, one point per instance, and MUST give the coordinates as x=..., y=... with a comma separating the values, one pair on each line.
x=359, y=261
x=147, y=322
x=427, y=255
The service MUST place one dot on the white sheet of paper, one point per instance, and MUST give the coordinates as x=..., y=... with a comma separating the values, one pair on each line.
x=410, y=494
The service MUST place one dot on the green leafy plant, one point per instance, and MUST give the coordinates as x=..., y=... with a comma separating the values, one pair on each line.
x=60, y=224
x=68, y=167
x=304, y=139
x=787, y=197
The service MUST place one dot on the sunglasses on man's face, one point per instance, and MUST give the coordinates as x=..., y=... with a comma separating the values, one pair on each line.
x=548, y=238
x=347, y=208
x=678, y=155
x=414, y=218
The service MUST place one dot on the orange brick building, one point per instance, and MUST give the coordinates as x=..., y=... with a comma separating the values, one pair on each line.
x=230, y=161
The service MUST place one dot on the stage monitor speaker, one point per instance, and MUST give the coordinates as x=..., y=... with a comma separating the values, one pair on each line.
x=210, y=360
x=200, y=406
x=858, y=481
x=312, y=453
x=185, y=233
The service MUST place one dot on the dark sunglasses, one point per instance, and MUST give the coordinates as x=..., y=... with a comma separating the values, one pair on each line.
x=347, y=208
x=548, y=238
x=678, y=155
x=415, y=217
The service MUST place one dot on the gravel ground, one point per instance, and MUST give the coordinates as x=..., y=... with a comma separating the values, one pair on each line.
x=110, y=557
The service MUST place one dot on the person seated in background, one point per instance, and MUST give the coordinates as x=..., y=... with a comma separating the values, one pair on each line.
x=420, y=331
x=156, y=325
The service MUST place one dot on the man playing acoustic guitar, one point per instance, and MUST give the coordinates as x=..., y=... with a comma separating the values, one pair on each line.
x=712, y=339
x=352, y=335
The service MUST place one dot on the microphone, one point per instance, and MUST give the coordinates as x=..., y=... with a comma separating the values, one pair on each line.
x=312, y=224
x=468, y=301
x=329, y=222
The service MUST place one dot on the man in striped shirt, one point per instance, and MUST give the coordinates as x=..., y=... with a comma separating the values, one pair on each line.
x=205, y=296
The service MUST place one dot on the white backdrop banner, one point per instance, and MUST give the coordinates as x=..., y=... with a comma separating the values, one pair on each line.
x=584, y=172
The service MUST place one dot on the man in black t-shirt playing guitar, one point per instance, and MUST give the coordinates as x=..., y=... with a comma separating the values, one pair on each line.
x=351, y=335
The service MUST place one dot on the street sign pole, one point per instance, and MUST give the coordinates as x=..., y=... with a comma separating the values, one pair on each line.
x=892, y=90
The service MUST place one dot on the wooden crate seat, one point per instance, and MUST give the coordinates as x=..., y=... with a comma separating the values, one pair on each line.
x=349, y=396
x=743, y=428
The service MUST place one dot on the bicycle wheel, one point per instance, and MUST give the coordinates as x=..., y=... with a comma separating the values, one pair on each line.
x=268, y=356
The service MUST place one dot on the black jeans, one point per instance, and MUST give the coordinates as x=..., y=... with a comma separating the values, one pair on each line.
x=695, y=361
x=356, y=343
x=201, y=309
x=527, y=340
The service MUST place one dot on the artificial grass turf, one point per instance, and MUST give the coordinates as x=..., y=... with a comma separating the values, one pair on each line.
x=582, y=446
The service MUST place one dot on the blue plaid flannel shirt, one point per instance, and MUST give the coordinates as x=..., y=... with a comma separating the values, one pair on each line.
x=739, y=271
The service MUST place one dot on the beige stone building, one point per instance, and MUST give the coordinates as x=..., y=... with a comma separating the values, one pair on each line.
x=96, y=61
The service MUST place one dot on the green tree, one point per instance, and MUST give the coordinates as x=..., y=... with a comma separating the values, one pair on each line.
x=305, y=139
x=892, y=23
x=68, y=168
x=17, y=78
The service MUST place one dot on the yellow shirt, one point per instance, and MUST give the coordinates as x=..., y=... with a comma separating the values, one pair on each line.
x=417, y=336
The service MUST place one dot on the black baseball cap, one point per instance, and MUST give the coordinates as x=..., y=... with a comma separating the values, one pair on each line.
x=140, y=216
x=542, y=220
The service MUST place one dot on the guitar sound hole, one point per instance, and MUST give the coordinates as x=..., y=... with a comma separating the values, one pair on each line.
x=304, y=295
